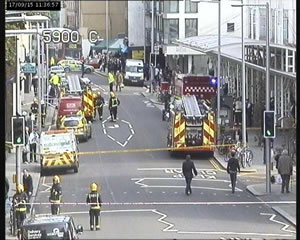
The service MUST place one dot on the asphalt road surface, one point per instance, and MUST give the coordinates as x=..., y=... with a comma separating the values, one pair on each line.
x=144, y=193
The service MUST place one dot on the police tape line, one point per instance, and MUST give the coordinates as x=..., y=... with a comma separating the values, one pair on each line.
x=143, y=150
x=165, y=203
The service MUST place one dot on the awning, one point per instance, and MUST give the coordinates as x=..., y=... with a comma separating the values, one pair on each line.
x=230, y=49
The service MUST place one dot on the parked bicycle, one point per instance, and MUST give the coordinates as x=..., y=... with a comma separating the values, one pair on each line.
x=224, y=147
x=12, y=218
x=235, y=147
x=246, y=156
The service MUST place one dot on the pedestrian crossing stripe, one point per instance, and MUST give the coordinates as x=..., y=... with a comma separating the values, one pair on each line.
x=66, y=158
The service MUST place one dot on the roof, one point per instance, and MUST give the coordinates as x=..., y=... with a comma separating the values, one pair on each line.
x=230, y=48
x=46, y=220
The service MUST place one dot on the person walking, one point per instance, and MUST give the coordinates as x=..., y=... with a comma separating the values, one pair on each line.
x=238, y=111
x=35, y=108
x=285, y=169
x=43, y=108
x=94, y=200
x=99, y=104
x=114, y=102
x=33, y=140
x=249, y=113
x=20, y=199
x=27, y=183
x=35, y=84
x=55, y=81
x=189, y=171
x=119, y=81
x=55, y=196
x=111, y=80
x=232, y=167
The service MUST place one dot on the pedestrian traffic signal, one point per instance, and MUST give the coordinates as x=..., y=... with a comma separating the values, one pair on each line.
x=269, y=124
x=18, y=131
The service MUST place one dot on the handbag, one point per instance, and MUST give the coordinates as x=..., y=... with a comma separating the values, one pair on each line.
x=122, y=85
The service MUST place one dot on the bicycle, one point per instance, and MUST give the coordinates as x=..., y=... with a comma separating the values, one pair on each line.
x=246, y=156
x=226, y=140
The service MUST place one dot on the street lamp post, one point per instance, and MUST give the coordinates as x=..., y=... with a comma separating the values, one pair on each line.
x=267, y=98
x=219, y=62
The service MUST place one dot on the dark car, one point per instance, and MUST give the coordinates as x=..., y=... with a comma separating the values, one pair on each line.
x=50, y=227
x=95, y=62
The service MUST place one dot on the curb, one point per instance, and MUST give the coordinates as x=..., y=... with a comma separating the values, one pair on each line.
x=151, y=100
x=285, y=215
x=251, y=189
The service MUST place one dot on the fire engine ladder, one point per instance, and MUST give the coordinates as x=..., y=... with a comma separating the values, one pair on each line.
x=74, y=85
x=191, y=106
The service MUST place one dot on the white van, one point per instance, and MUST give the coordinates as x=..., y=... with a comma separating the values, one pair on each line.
x=134, y=72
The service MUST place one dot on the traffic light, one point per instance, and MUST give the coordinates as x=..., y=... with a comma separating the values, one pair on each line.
x=269, y=124
x=18, y=131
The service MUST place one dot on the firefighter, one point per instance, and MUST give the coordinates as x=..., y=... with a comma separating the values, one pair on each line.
x=35, y=108
x=111, y=80
x=94, y=200
x=99, y=103
x=114, y=102
x=55, y=195
x=20, y=199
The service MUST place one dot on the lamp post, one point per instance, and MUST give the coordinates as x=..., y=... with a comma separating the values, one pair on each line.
x=267, y=98
x=219, y=61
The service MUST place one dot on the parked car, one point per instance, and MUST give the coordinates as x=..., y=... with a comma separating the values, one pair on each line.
x=59, y=70
x=74, y=65
x=50, y=227
x=95, y=62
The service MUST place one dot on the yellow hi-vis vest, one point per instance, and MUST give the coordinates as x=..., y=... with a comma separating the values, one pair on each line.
x=114, y=102
x=55, y=80
x=111, y=78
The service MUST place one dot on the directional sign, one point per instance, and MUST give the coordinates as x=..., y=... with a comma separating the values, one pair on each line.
x=28, y=68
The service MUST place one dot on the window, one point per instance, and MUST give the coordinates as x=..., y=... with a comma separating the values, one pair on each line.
x=171, y=30
x=273, y=26
x=262, y=24
x=254, y=24
x=250, y=24
x=191, y=27
x=230, y=27
x=285, y=26
x=191, y=7
x=171, y=6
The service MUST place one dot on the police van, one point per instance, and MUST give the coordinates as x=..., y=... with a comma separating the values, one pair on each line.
x=50, y=227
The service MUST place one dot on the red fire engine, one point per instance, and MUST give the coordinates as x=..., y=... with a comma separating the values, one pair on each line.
x=192, y=119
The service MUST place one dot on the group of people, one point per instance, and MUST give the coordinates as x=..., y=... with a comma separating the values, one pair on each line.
x=115, y=79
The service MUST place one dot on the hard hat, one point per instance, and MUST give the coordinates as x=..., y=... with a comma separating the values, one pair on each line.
x=20, y=188
x=93, y=187
x=56, y=179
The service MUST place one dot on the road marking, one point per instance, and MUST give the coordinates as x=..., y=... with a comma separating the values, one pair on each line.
x=285, y=226
x=236, y=233
x=49, y=128
x=183, y=179
x=170, y=225
x=117, y=126
x=47, y=185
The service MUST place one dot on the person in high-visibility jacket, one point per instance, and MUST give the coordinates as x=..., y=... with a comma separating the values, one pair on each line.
x=55, y=80
x=111, y=80
x=52, y=61
x=94, y=200
x=114, y=102
x=55, y=196
x=20, y=199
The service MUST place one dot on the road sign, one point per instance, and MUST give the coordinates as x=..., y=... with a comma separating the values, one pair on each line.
x=28, y=68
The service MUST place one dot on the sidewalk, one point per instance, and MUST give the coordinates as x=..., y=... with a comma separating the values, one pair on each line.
x=287, y=211
x=33, y=168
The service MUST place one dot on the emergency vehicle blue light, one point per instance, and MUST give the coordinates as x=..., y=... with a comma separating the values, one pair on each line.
x=213, y=81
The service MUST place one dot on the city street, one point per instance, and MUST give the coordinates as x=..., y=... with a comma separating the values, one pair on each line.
x=143, y=193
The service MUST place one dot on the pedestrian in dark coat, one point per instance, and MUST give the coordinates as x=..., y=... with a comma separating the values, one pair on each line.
x=232, y=167
x=27, y=183
x=6, y=188
x=285, y=169
x=82, y=69
x=189, y=171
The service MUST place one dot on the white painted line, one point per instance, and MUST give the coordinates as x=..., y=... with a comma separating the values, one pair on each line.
x=104, y=131
x=125, y=143
x=125, y=121
x=161, y=219
x=285, y=226
x=111, y=137
x=158, y=169
x=195, y=187
x=183, y=179
x=235, y=233
x=129, y=137
x=132, y=132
